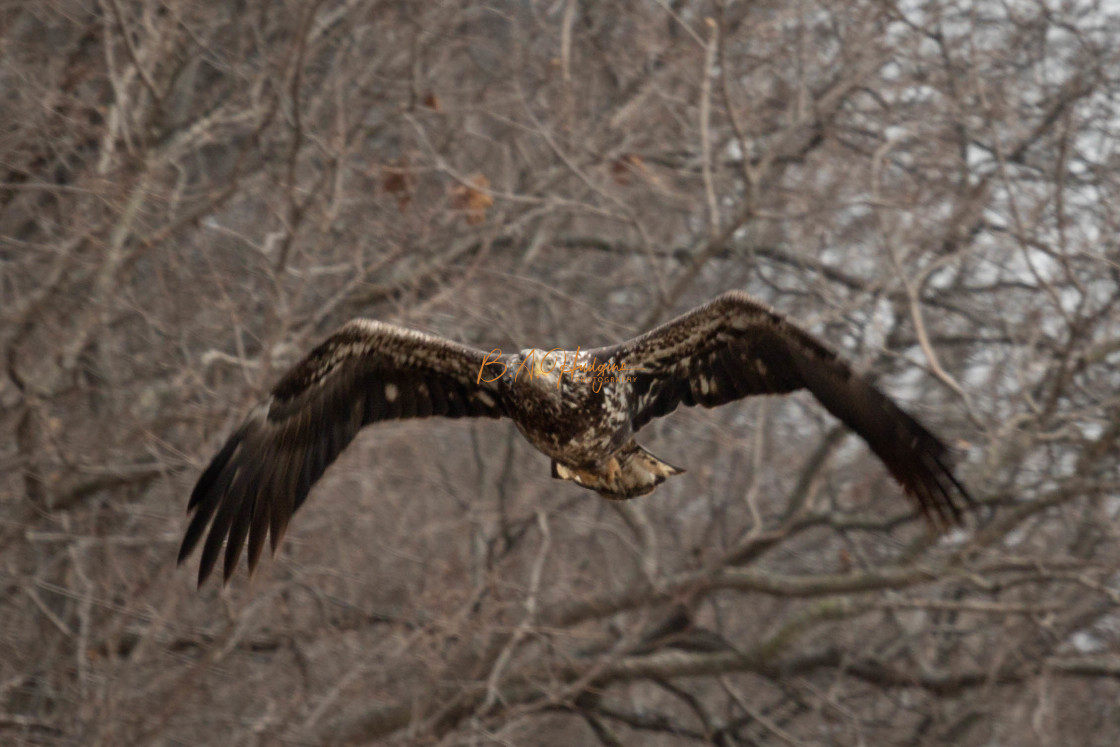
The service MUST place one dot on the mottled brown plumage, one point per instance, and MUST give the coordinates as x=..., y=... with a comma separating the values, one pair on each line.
x=582, y=409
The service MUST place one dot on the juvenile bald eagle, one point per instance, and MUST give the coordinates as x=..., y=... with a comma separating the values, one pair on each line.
x=581, y=408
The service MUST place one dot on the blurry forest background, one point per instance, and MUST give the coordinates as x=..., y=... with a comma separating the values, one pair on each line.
x=192, y=194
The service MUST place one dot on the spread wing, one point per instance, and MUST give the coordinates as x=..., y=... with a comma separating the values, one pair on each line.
x=734, y=347
x=365, y=372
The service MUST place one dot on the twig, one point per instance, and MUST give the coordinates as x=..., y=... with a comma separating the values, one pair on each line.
x=493, y=692
x=705, y=126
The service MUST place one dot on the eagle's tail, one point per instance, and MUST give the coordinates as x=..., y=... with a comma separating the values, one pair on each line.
x=631, y=471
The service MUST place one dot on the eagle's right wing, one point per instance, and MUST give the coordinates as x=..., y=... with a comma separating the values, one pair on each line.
x=365, y=372
x=735, y=347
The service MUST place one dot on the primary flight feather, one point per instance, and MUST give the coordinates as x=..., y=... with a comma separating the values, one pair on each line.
x=581, y=408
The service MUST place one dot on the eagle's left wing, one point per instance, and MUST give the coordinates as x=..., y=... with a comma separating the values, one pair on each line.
x=365, y=372
x=735, y=347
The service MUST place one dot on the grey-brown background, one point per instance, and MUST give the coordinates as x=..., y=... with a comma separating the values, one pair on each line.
x=192, y=194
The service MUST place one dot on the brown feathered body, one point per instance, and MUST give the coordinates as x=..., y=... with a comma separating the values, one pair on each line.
x=580, y=408
x=576, y=407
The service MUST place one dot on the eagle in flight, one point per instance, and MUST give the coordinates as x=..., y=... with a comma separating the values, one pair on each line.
x=580, y=408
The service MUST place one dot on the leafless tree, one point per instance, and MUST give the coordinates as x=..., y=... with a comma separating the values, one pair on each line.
x=192, y=194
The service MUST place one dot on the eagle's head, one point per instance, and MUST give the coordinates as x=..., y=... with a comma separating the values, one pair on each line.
x=544, y=370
